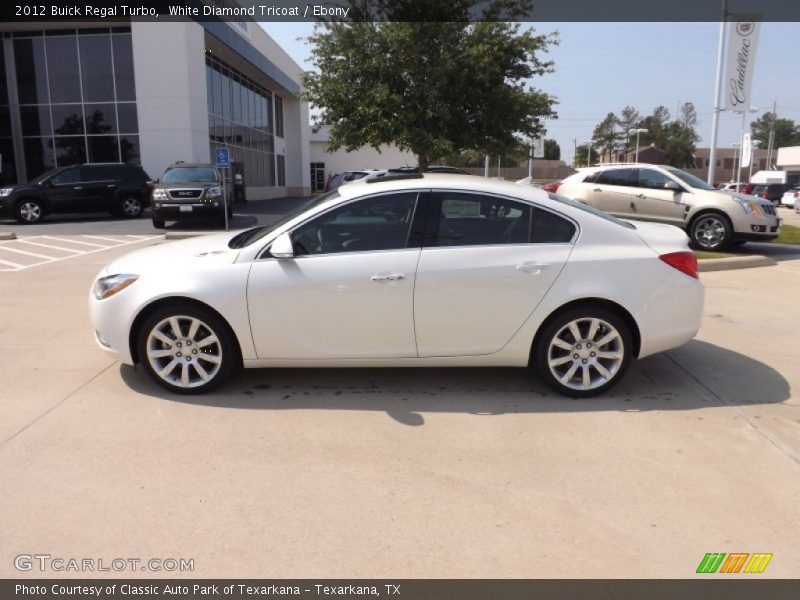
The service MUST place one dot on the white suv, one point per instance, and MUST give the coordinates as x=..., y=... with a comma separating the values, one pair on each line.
x=713, y=219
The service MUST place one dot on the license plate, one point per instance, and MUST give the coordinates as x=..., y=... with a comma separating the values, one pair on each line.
x=185, y=209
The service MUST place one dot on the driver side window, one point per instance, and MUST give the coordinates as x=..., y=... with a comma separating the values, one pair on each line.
x=377, y=223
x=648, y=178
x=67, y=176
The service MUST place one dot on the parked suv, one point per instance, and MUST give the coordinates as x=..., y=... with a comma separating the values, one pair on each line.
x=770, y=191
x=189, y=191
x=121, y=190
x=712, y=218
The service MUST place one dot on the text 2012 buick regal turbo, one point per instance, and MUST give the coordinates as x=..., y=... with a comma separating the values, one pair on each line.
x=417, y=270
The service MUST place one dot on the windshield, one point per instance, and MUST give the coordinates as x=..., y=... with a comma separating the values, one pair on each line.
x=590, y=209
x=690, y=179
x=256, y=233
x=190, y=175
x=44, y=176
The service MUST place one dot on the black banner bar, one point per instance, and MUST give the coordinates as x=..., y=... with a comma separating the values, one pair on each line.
x=712, y=587
x=599, y=11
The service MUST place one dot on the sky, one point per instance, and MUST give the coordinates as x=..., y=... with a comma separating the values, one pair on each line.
x=602, y=67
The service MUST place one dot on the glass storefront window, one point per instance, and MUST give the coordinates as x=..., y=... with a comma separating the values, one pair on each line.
x=70, y=150
x=100, y=118
x=67, y=119
x=123, y=68
x=62, y=60
x=128, y=117
x=96, y=71
x=35, y=120
x=38, y=156
x=103, y=148
x=31, y=71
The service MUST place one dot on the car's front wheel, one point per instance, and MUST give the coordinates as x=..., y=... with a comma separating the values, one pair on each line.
x=187, y=350
x=29, y=210
x=583, y=352
x=711, y=231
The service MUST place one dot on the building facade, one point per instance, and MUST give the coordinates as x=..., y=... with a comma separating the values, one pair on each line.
x=152, y=94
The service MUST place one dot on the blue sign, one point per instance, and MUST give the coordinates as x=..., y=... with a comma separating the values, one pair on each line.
x=223, y=157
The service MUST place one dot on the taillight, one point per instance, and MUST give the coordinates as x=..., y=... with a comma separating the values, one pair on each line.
x=552, y=187
x=685, y=262
x=796, y=194
x=150, y=186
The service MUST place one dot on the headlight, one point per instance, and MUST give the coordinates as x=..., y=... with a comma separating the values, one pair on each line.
x=5, y=191
x=749, y=208
x=214, y=192
x=113, y=284
x=159, y=194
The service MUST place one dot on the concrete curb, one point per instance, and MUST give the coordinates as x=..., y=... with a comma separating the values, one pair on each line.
x=737, y=262
x=182, y=235
x=7, y=236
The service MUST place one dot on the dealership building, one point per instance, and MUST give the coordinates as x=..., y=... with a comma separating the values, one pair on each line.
x=152, y=94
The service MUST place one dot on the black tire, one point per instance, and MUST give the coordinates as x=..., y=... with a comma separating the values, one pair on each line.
x=737, y=243
x=29, y=211
x=130, y=207
x=224, y=349
x=544, y=351
x=158, y=223
x=710, y=231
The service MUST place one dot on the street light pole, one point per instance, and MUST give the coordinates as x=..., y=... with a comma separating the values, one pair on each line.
x=588, y=152
x=735, y=159
x=755, y=145
x=637, y=132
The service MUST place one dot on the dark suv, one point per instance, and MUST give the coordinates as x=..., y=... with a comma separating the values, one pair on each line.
x=771, y=191
x=122, y=190
x=189, y=191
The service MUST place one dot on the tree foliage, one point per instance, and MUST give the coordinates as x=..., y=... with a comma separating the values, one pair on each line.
x=787, y=132
x=580, y=156
x=552, y=151
x=434, y=88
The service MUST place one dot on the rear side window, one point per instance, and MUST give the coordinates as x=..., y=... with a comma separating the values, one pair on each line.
x=67, y=176
x=627, y=177
x=96, y=173
x=475, y=220
x=590, y=209
x=549, y=228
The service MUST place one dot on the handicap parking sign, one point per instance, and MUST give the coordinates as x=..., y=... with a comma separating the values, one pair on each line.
x=223, y=157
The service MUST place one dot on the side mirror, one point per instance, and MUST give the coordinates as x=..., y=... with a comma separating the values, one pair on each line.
x=671, y=185
x=282, y=246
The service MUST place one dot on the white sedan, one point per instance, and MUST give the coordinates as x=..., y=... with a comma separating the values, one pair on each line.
x=407, y=271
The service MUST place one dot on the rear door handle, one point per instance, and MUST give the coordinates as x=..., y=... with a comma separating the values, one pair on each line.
x=597, y=190
x=111, y=185
x=388, y=277
x=78, y=187
x=641, y=196
x=532, y=267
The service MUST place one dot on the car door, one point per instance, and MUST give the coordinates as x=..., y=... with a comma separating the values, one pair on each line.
x=486, y=264
x=654, y=202
x=611, y=191
x=65, y=191
x=348, y=292
x=99, y=188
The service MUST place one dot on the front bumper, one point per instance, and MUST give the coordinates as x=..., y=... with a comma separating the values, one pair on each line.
x=6, y=207
x=754, y=229
x=170, y=210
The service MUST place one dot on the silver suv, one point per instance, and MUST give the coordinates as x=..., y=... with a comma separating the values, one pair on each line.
x=713, y=219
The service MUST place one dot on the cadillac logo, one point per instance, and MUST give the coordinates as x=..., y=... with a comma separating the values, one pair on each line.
x=744, y=29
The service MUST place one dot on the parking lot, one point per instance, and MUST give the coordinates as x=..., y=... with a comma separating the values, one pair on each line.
x=411, y=473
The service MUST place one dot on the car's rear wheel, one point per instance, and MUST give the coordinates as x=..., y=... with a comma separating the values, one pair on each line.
x=29, y=210
x=584, y=351
x=710, y=231
x=131, y=207
x=187, y=350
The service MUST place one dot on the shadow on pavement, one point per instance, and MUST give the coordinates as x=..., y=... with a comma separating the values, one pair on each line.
x=697, y=375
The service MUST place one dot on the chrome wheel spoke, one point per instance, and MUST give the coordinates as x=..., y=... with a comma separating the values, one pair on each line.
x=559, y=343
x=586, y=379
x=177, y=356
x=159, y=353
x=575, y=331
x=557, y=362
x=184, y=375
x=176, y=327
x=610, y=355
x=162, y=337
x=569, y=374
x=594, y=325
x=212, y=339
x=606, y=374
x=607, y=338
x=574, y=358
x=169, y=368
x=201, y=371
x=193, y=327
x=212, y=358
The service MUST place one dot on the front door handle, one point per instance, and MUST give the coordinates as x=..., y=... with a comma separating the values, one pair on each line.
x=111, y=185
x=387, y=277
x=532, y=267
x=597, y=190
x=641, y=196
x=78, y=187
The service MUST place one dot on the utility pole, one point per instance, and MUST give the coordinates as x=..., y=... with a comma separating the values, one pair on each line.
x=575, y=151
x=771, y=135
x=486, y=167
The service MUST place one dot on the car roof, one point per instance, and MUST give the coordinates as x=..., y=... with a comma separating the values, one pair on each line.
x=190, y=165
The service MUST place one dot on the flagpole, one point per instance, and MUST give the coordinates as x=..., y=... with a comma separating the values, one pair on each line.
x=712, y=158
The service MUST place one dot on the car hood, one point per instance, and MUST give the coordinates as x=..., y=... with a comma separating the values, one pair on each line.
x=662, y=238
x=22, y=187
x=183, y=254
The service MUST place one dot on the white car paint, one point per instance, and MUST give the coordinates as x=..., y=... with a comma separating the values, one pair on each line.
x=433, y=306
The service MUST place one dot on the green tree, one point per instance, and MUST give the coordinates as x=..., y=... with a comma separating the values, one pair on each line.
x=787, y=132
x=552, y=151
x=580, y=156
x=656, y=125
x=434, y=88
x=628, y=119
x=607, y=136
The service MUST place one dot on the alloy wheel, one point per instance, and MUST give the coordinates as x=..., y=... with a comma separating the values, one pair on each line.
x=132, y=207
x=709, y=231
x=585, y=354
x=184, y=351
x=30, y=212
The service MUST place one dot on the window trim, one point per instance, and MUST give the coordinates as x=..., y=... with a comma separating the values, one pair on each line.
x=432, y=222
x=421, y=198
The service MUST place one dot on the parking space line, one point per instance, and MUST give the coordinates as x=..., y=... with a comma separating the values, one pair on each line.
x=26, y=252
x=26, y=241
x=141, y=237
x=11, y=264
x=50, y=237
